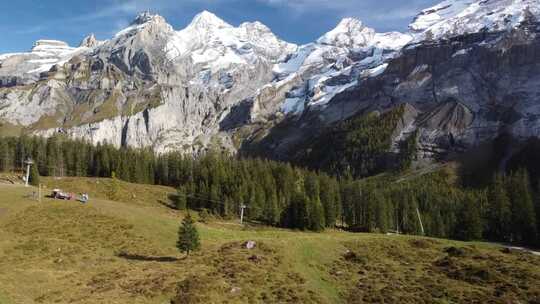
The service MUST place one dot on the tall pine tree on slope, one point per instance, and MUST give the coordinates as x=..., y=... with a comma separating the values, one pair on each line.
x=34, y=176
x=188, y=236
x=499, y=213
x=5, y=159
x=523, y=218
x=469, y=225
x=181, y=199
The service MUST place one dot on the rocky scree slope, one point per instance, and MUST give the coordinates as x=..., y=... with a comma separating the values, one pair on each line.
x=467, y=70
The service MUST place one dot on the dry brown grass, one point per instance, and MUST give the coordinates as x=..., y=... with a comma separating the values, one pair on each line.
x=428, y=271
x=239, y=275
x=124, y=252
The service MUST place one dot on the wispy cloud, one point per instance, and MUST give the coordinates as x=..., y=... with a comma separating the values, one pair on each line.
x=314, y=4
x=124, y=10
x=291, y=19
x=380, y=10
x=29, y=30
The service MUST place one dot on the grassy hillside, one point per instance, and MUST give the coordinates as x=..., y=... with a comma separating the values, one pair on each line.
x=144, y=195
x=124, y=252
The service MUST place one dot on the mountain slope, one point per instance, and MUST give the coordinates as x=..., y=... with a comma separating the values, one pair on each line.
x=466, y=88
x=468, y=67
x=135, y=90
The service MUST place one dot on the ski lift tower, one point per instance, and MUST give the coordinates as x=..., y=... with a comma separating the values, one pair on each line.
x=28, y=162
x=242, y=207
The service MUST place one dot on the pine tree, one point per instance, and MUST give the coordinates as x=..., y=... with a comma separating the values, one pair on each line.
x=469, y=225
x=316, y=216
x=188, y=236
x=215, y=198
x=409, y=218
x=407, y=151
x=4, y=155
x=257, y=202
x=181, y=199
x=381, y=212
x=53, y=154
x=296, y=216
x=105, y=163
x=537, y=206
x=34, y=176
x=329, y=200
x=523, y=219
x=270, y=210
x=114, y=188
x=204, y=216
x=499, y=214
x=301, y=212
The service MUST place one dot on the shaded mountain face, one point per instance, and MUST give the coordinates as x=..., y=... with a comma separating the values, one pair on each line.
x=460, y=89
x=466, y=71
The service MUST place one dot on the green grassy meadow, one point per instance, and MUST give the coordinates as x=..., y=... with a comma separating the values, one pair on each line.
x=124, y=252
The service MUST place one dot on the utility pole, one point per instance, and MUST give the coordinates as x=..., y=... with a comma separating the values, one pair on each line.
x=242, y=207
x=420, y=220
x=29, y=162
x=396, y=216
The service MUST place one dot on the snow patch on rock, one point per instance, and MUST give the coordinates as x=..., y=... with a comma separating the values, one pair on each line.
x=458, y=17
x=215, y=44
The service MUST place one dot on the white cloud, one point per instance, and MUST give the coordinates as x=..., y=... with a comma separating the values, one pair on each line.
x=379, y=10
x=305, y=5
x=116, y=14
x=29, y=30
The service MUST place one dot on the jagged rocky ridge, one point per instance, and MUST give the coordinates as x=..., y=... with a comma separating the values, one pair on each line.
x=467, y=70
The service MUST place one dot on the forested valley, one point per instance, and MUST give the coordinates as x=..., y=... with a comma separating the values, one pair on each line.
x=439, y=204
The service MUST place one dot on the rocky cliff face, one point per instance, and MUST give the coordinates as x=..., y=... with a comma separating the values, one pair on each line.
x=148, y=86
x=467, y=70
x=462, y=86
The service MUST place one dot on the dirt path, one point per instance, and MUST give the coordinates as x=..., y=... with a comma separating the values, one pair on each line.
x=525, y=249
x=3, y=212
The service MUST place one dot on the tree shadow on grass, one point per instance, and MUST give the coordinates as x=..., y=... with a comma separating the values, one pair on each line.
x=143, y=258
x=167, y=204
x=171, y=203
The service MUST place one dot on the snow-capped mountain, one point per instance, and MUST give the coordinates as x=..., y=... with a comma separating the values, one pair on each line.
x=453, y=18
x=352, y=33
x=462, y=68
x=215, y=44
x=213, y=84
x=20, y=68
x=150, y=85
x=335, y=62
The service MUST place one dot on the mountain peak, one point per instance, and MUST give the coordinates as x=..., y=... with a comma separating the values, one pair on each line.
x=255, y=25
x=206, y=19
x=89, y=41
x=146, y=17
x=350, y=24
x=350, y=32
x=144, y=20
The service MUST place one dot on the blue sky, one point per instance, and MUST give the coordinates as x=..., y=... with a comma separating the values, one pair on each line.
x=300, y=21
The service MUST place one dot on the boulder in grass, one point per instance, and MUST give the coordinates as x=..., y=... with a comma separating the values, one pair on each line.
x=250, y=244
